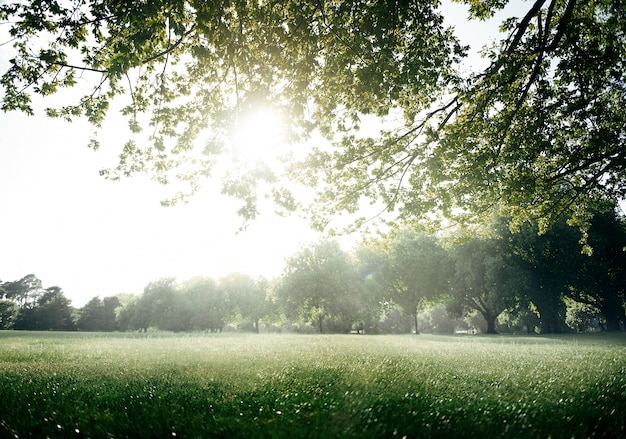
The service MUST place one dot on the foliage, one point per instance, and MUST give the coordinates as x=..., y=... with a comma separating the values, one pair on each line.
x=556, y=268
x=52, y=311
x=600, y=279
x=485, y=281
x=519, y=282
x=313, y=386
x=207, y=305
x=8, y=314
x=25, y=292
x=248, y=297
x=437, y=320
x=99, y=315
x=538, y=133
x=416, y=268
x=320, y=284
x=582, y=317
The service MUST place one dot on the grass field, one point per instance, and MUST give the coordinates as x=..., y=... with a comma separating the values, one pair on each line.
x=235, y=386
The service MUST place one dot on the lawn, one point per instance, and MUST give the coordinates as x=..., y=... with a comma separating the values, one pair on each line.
x=292, y=386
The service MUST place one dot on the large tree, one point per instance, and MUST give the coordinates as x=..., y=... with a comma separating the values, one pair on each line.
x=553, y=263
x=538, y=132
x=601, y=277
x=557, y=269
x=486, y=280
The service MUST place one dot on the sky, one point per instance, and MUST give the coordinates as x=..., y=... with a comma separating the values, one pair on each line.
x=63, y=222
x=70, y=227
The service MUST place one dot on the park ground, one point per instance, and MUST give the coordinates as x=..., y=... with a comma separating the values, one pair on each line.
x=160, y=385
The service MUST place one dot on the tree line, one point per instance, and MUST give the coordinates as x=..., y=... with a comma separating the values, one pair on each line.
x=495, y=281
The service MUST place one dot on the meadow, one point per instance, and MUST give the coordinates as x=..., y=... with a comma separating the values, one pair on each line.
x=301, y=386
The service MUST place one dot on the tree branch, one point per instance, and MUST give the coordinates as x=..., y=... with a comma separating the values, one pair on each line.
x=172, y=47
x=562, y=26
x=70, y=66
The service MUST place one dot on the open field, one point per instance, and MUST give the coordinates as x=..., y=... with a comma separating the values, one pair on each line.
x=188, y=386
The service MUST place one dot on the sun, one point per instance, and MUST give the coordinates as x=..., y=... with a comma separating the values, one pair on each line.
x=259, y=133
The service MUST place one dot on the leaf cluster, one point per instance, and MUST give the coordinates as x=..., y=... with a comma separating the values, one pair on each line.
x=537, y=134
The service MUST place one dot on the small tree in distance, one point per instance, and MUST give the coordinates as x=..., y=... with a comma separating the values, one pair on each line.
x=417, y=269
x=318, y=285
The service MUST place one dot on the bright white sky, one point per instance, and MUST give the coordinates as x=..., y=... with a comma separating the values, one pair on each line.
x=67, y=225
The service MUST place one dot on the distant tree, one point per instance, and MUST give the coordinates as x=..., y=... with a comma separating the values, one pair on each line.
x=159, y=306
x=99, y=315
x=134, y=316
x=318, y=284
x=163, y=303
x=437, y=320
x=370, y=259
x=52, y=311
x=583, y=317
x=485, y=280
x=207, y=306
x=25, y=292
x=111, y=305
x=90, y=315
x=247, y=297
x=8, y=313
x=417, y=269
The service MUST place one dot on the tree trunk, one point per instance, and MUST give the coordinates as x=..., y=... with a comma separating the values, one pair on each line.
x=415, y=317
x=256, y=326
x=613, y=316
x=490, y=318
x=551, y=315
x=491, y=323
x=613, y=312
x=321, y=321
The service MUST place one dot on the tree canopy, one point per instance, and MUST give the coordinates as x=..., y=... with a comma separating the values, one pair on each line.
x=537, y=134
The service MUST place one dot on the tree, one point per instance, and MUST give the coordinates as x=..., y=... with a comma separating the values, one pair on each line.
x=109, y=317
x=99, y=315
x=485, y=280
x=25, y=292
x=8, y=314
x=52, y=311
x=599, y=278
x=538, y=133
x=370, y=258
x=247, y=296
x=318, y=286
x=557, y=269
x=207, y=304
x=417, y=269
x=134, y=315
x=605, y=272
x=162, y=304
x=549, y=261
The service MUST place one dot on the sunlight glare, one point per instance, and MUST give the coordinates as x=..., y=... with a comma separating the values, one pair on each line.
x=258, y=135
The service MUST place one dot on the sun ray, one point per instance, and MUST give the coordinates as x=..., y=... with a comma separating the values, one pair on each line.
x=258, y=134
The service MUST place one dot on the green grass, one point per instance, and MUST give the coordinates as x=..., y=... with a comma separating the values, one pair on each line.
x=232, y=386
